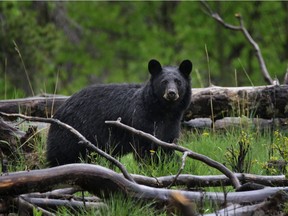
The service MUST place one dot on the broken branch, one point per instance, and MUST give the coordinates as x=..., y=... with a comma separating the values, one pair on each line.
x=84, y=142
x=181, y=168
x=194, y=155
x=247, y=35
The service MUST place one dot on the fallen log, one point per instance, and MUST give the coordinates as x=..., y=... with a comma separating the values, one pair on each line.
x=196, y=181
x=260, y=101
x=51, y=201
x=56, y=203
x=27, y=208
x=101, y=181
x=33, y=106
x=213, y=102
x=236, y=122
x=271, y=206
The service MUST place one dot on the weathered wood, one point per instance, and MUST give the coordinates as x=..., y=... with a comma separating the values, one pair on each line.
x=196, y=181
x=33, y=106
x=100, y=181
x=212, y=102
x=26, y=208
x=56, y=203
x=236, y=122
x=51, y=201
x=272, y=206
x=261, y=101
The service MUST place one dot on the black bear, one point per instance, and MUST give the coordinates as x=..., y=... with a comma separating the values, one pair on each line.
x=155, y=107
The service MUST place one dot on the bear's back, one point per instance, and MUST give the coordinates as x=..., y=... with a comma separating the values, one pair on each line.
x=97, y=100
x=87, y=111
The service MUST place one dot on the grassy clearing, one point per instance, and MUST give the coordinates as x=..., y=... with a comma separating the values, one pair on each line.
x=212, y=144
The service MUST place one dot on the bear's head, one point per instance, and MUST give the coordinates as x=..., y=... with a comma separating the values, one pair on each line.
x=170, y=83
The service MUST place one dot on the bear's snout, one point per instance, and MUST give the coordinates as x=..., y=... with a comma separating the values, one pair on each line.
x=171, y=95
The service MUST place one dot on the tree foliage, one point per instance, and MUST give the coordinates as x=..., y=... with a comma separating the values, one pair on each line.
x=63, y=46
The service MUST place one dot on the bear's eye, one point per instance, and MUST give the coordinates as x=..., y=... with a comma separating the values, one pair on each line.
x=179, y=83
x=164, y=82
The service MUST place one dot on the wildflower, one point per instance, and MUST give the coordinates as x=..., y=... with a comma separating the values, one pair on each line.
x=205, y=134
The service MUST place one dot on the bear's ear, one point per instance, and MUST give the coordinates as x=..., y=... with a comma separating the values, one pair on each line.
x=154, y=67
x=185, y=67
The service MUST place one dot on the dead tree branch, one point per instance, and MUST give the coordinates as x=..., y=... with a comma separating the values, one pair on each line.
x=194, y=181
x=54, y=203
x=272, y=206
x=26, y=207
x=247, y=35
x=185, y=154
x=100, y=181
x=173, y=146
x=55, y=199
x=84, y=142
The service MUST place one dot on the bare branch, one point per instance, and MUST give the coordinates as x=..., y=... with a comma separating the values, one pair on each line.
x=259, y=56
x=100, y=180
x=54, y=203
x=190, y=153
x=26, y=207
x=271, y=206
x=247, y=35
x=180, y=170
x=84, y=142
x=209, y=180
x=217, y=17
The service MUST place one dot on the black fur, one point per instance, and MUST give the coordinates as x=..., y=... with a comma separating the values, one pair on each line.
x=155, y=107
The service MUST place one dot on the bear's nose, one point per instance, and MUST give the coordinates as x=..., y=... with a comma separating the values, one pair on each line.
x=171, y=94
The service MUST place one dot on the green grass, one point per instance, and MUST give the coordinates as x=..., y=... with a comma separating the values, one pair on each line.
x=213, y=144
x=117, y=205
x=35, y=158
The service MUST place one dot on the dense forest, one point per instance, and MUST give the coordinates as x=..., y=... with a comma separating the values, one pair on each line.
x=60, y=47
